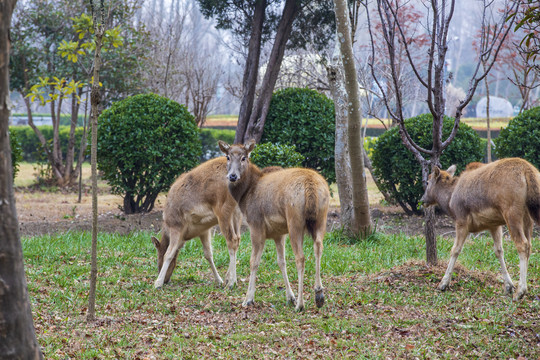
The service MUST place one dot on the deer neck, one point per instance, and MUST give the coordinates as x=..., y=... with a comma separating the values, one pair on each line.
x=443, y=198
x=243, y=189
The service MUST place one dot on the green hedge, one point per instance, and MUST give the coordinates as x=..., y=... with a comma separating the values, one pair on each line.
x=269, y=154
x=304, y=118
x=399, y=172
x=31, y=147
x=521, y=138
x=16, y=152
x=209, y=140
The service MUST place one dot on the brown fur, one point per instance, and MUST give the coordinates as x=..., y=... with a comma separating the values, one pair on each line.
x=197, y=201
x=485, y=197
x=289, y=201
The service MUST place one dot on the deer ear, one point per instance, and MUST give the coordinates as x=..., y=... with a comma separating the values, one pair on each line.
x=156, y=242
x=224, y=147
x=451, y=170
x=249, y=146
x=437, y=173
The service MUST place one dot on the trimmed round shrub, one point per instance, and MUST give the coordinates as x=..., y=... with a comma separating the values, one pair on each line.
x=269, y=154
x=399, y=172
x=16, y=152
x=304, y=118
x=145, y=142
x=521, y=137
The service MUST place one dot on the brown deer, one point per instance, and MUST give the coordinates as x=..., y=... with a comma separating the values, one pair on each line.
x=197, y=201
x=289, y=201
x=486, y=197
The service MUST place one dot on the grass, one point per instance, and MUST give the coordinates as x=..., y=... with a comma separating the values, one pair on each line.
x=381, y=302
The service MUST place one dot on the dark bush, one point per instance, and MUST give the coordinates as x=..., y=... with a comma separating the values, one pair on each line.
x=521, y=137
x=269, y=154
x=397, y=169
x=16, y=152
x=304, y=118
x=145, y=142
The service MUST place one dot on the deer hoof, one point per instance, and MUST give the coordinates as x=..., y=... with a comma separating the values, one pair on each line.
x=299, y=308
x=319, y=298
x=520, y=294
x=292, y=301
x=248, y=303
x=509, y=289
x=442, y=287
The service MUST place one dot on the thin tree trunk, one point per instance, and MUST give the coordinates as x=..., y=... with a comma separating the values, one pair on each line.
x=488, y=122
x=17, y=334
x=95, y=96
x=251, y=71
x=257, y=119
x=362, y=218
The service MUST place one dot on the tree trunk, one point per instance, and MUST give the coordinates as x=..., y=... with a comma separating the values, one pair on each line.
x=341, y=154
x=257, y=119
x=251, y=71
x=429, y=219
x=17, y=334
x=95, y=98
x=362, y=218
x=487, y=117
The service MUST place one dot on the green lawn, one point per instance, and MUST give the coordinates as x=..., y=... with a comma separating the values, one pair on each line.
x=381, y=302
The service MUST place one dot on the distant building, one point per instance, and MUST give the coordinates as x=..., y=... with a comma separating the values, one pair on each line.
x=498, y=107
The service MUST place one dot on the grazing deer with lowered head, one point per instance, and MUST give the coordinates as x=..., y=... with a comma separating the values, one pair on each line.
x=289, y=201
x=197, y=201
x=485, y=197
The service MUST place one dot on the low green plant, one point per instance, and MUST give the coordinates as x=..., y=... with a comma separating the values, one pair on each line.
x=268, y=154
x=520, y=137
x=146, y=141
x=398, y=171
x=304, y=118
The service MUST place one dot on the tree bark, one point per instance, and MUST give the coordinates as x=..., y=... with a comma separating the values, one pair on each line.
x=17, y=334
x=362, y=218
x=341, y=153
x=251, y=71
x=257, y=119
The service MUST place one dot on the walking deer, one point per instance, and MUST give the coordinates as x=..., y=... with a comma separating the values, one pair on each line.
x=486, y=197
x=197, y=201
x=289, y=201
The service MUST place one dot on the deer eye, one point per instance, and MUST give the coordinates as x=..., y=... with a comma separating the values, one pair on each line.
x=228, y=158
x=243, y=158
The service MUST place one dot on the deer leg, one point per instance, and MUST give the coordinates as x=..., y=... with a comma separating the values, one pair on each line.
x=497, y=246
x=317, y=250
x=257, y=247
x=518, y=231
x=206, y=241
x=280, y=251
x=296, y=236
x=461, y=235
x=176, y=243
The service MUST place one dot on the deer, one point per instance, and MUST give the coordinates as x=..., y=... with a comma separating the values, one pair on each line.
x=486, y=197
x=197, y=201
x=290, y=201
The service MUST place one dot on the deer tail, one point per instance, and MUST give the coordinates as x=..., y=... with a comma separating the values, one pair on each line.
x=311, y=208
x=533, y=195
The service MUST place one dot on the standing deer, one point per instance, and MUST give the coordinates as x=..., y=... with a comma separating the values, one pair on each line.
x=485, y=197
x=197, y=201
x=289, y=201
